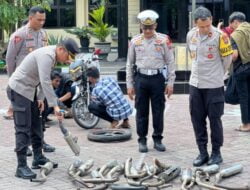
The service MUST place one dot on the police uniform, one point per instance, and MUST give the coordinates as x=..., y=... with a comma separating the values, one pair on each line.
x=33, y=72
x=21, y=43
x=211, y=56
x=149, y=56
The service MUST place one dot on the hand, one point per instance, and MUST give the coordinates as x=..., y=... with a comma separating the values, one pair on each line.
x=58, y=113
x=220, y=25
x=131, y=93
x=169, y=91
x=40, y=105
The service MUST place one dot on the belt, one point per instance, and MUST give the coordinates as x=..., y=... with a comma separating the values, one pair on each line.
x=150, y=72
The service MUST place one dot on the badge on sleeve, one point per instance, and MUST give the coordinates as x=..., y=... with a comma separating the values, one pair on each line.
x=225, y=46
x=17, y=39
x=169, y=42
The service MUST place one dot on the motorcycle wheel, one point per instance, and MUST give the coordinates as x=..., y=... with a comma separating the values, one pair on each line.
x=109, y=135
x=82, y=116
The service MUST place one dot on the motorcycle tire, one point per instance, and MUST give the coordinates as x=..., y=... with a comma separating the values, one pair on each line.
x=109, y=135
x=86, y=124
x=127, y=187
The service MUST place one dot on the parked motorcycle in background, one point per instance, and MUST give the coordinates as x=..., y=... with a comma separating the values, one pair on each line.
x=82, y=94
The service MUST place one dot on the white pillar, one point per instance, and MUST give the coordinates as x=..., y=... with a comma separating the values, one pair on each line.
x=82, y=12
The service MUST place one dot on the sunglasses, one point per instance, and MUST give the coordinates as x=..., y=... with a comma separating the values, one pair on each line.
x=148, y=28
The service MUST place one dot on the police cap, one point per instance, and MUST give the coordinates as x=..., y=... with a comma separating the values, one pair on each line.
x=148, y=17
x=70, y=45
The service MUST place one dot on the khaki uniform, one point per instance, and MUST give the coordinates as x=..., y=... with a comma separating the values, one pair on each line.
x=150, y=56
x=32, y=73
x=211, y=56
x=35, y=72
x=21, y=43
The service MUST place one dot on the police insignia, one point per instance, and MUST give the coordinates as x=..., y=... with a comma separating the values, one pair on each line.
x=193, y=54
x=225, y=46
x=138, y=42
x=210, y=34
x=158, y=41
x=193, y=40
x=158, y=48
x=17, y=39
x=210, y=56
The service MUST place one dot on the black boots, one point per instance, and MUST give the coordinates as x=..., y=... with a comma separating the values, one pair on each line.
x=48, y=148
x=23, y=171
x=159, y=146
x=202, y=158
x=215, y=158
x=143, y=145
x=39, y=159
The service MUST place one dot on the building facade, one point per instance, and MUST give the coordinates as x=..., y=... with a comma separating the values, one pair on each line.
x=174, y=14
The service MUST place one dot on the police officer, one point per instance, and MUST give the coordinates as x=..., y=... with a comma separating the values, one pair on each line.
x=26, y=39
x=148, y=53
x=34, y=72
x=211, y=54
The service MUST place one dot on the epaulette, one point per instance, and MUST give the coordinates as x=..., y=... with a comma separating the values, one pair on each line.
x=137, y=40
x=163, y=38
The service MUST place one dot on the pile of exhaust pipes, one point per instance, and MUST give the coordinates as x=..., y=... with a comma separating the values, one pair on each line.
x=156, y=176
x=143, y=177
x=202, y=177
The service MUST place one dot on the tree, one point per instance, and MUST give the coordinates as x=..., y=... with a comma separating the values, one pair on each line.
x=13, y=11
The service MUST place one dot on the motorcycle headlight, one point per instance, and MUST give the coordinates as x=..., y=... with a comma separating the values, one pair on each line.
x=75, y=73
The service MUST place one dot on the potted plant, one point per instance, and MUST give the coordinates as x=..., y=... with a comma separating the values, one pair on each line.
x=100, y=30
x=83, y=33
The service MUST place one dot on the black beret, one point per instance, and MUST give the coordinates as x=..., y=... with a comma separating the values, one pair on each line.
x=70, y=45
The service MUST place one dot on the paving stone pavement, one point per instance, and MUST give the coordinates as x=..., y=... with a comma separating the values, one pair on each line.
x=178, y=137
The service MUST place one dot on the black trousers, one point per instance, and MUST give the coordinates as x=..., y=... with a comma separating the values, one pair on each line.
x=27, y=122
x=243, y=90
x=99, y=110
x=207, y=103
x=149, y=89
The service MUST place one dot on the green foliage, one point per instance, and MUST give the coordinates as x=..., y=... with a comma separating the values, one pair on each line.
x=98, y=28
x=11, y=13
x=54, y=40
x=80, y=32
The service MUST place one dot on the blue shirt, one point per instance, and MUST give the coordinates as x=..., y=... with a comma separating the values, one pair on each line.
x=108, y=92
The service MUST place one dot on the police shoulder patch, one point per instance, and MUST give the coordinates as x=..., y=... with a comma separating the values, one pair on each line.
x=17, y=39
x=225, y=46
x=137, y=40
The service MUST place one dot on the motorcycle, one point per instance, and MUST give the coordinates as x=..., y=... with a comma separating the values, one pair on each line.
x=82, y=89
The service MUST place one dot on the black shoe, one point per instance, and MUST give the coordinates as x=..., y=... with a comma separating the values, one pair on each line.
x=143, y=147
x=48, y=148
x=41, y=160
x=38, y=161
x=29, y=152
x=25, y=172
x=159, y=146
x=215, y=159
x=200, y=160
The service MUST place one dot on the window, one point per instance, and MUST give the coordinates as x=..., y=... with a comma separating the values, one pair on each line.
x=63, y=14
x=110, y=13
